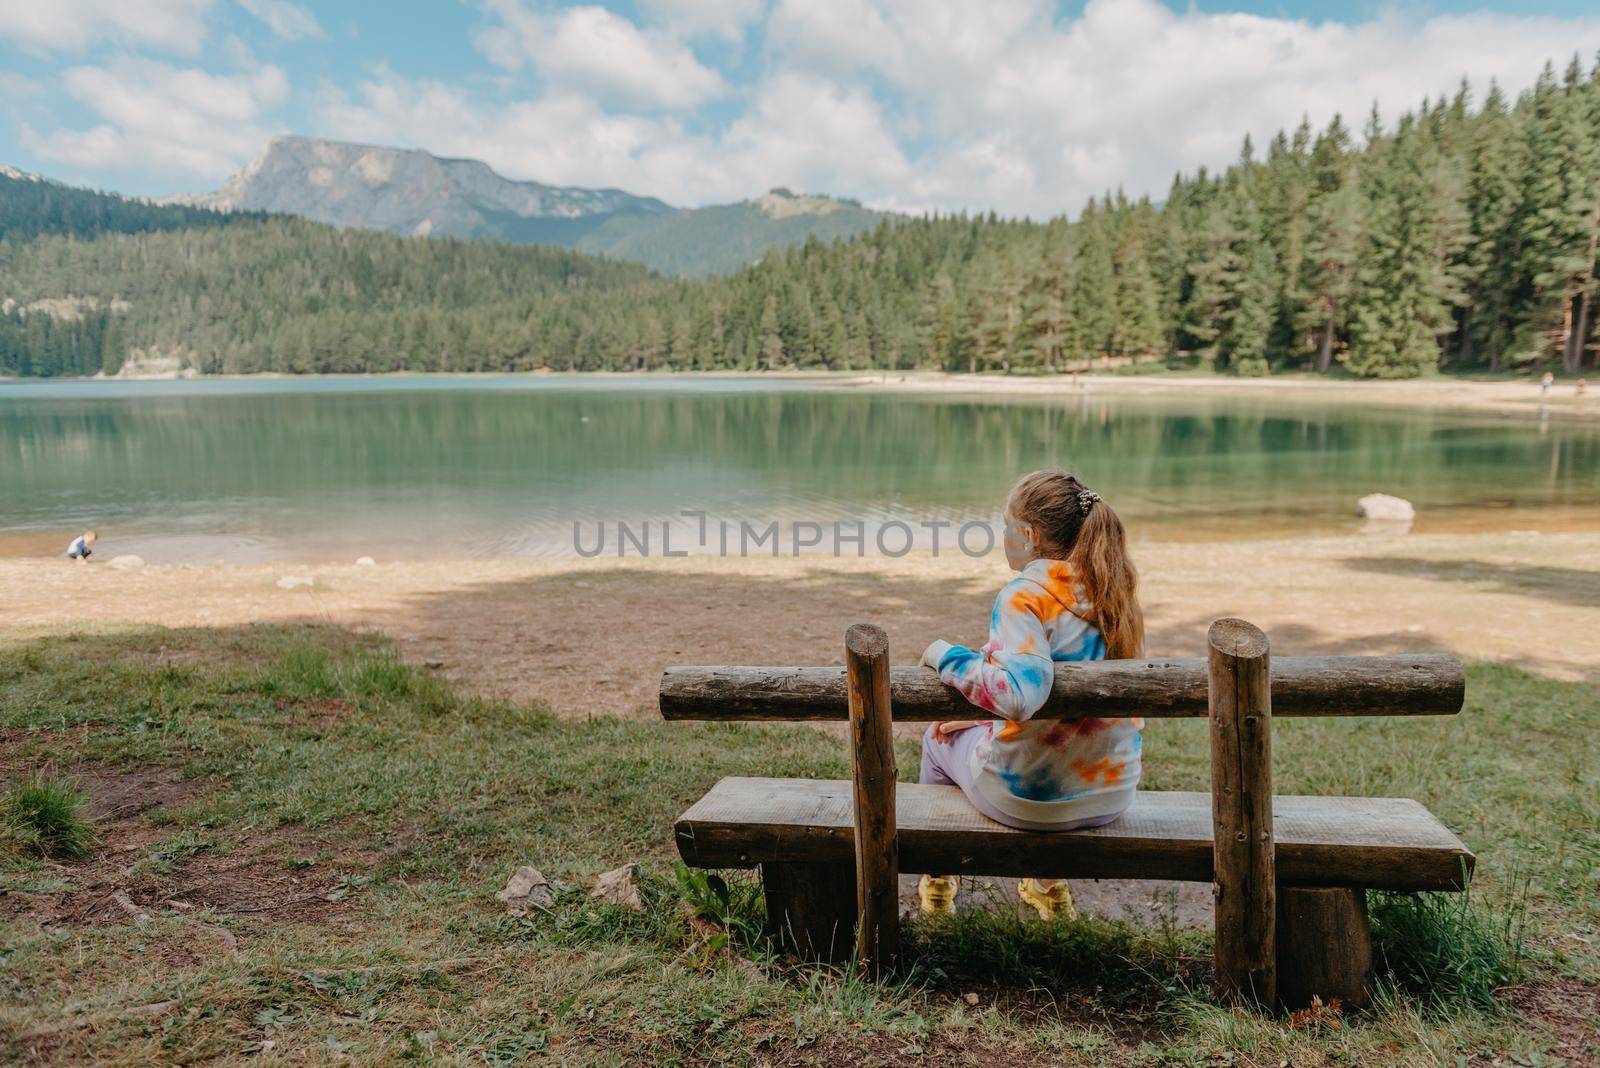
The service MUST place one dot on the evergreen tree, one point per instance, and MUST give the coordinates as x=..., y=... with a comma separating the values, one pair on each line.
x=1494, y=186
x=1405, y=292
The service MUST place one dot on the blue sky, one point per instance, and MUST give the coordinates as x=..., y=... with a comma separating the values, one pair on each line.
x=1020, y=106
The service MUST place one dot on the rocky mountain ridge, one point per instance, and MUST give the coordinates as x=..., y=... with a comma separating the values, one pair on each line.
x=412, y=192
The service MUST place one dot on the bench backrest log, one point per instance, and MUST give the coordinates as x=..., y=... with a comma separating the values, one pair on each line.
x=1236, y=686
x=1420, y=684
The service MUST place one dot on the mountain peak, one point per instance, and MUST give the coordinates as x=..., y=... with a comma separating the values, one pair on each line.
x=401, y=190
x=412, y=192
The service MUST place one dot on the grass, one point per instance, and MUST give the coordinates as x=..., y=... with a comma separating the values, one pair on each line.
x=1447, y=947
x=44, y=817
x=310, y=833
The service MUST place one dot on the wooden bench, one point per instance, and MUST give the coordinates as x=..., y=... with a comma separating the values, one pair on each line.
x=1289, y=873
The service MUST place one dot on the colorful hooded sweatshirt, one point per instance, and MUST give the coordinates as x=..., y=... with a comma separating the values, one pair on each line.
x=1053, y=770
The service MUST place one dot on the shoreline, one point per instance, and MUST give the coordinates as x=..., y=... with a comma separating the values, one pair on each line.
x=1523, y=521
x=1508, y=396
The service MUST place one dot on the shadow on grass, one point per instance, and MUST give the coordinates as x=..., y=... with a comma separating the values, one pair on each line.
x=1561, y=585
x=585, y=641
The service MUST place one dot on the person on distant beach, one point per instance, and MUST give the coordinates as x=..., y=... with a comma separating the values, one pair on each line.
x=1545, y=383
x=1075, y=599
x=82, y=547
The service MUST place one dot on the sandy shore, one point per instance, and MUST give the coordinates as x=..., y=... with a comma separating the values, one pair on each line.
x=589, y=637
x=1518, y=397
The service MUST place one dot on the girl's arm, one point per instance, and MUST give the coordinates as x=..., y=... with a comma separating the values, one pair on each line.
x=948, y=729
x=1012, y=674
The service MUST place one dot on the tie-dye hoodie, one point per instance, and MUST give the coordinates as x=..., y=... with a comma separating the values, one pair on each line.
x=1053, y=770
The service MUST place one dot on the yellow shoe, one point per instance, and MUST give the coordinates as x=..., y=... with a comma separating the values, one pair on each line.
x=938, y=894
x=1050, y=904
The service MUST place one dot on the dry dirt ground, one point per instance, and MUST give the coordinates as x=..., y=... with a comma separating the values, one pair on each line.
x=590, y=637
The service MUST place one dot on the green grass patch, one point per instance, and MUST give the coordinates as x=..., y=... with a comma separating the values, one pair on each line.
x=1448, y=947
x=45, y=818
x=312, y=832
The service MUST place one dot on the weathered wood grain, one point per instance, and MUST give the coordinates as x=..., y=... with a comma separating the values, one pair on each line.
x=1418, y=684
x=1324, y=946
x=811, y=908
x=1245, y=881
x=1378, y=842
x=866, y=654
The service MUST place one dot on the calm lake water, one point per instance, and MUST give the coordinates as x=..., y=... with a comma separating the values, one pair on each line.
x=337, y=468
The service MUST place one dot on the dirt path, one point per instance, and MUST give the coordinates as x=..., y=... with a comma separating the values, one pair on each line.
x=589, y=637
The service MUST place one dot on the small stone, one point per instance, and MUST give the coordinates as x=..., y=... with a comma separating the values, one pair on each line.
x=291, y=582
x=126, y=562
x=618, y=888
x=366, y=561
x=527, y=888
x=433, y=665
x=970, y=998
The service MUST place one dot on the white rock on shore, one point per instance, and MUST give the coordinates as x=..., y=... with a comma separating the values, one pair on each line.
x=1383, y=507
x=126, y=561
x=366, y=561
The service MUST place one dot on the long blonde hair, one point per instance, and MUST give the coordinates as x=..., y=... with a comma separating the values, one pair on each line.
x=1074, y=524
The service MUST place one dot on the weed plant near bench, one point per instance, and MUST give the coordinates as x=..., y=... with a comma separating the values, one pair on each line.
x=307, y=834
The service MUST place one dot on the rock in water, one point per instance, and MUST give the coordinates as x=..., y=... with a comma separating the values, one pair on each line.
x=527, y=888
x=1384, y=507
x=618, y=888
x=290, y=582
x=366, y=561
x=124, y=562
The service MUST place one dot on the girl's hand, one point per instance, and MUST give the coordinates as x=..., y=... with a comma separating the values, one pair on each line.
x=947, y=730
x=934, y=653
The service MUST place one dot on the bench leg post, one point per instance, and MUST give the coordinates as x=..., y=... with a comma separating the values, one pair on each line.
x=1239, y=689
x=1324, y=946
x=866, y=657
x=811, y=908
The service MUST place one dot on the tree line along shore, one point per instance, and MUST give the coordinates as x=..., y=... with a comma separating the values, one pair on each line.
x=1464, y=237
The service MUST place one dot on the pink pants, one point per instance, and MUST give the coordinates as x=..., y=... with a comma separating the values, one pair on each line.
x=950, y=764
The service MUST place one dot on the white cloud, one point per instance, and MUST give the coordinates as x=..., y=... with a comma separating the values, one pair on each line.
x=288, y=21
x=593, y=51
x=180, y=122
x=920, y=104
x=74, y=25
x=1030, y=114
x=799, y=130
x=727, y=19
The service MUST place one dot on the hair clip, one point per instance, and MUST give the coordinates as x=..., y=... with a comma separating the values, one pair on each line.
x=1086, y=499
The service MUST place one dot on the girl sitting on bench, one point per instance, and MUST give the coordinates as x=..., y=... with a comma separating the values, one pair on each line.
x=1075, y=599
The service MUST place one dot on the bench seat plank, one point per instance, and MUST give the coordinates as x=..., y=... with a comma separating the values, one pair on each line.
x=1377, y=842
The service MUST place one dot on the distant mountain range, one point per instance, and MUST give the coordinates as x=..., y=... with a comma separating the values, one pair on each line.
x=411, y=192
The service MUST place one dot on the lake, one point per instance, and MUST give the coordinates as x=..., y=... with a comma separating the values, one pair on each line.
x=334, y=468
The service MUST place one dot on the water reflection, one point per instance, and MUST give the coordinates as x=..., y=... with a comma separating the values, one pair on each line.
x=312, y=469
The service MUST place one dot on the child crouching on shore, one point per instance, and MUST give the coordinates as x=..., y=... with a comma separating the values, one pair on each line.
x=82, y=547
